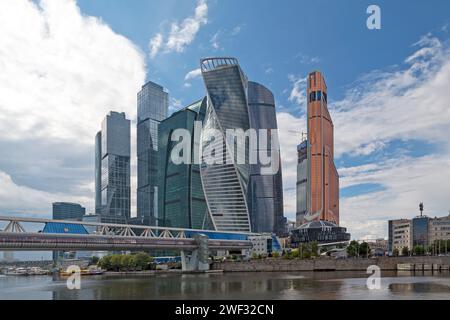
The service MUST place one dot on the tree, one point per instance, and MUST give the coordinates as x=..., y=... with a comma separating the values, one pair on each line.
x=142, y=261
x=353, y=249
x=105, y=263
x=314, y=249
x=395, y=252
x=405, y=251
x=364, y=249
x=95, y=260
x=419, y=250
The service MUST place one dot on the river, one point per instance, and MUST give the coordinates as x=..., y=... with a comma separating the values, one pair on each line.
x=289, y=285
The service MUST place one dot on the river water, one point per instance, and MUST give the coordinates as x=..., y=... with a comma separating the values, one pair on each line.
x=288, y=285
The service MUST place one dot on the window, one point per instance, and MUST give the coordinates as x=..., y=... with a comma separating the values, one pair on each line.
x=312, y=97
x=319, y=95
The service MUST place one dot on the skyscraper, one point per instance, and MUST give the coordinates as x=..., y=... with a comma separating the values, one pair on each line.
x=182, y=202
x=113, y=169
x=265, y=195
x=153, y=105
x=239, y=196
x=68, y=211
x=323, y=178
x=302, y=182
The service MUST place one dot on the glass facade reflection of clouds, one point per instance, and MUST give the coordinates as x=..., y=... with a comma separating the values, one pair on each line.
x=182, y=202
x=112, y=169
x=239, y=197
x=153, y=104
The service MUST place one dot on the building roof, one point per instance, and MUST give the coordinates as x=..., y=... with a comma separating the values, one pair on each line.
x=64, y=228
x=317, y=224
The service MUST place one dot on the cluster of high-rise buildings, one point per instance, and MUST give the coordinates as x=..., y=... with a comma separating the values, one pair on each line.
x=228, y=196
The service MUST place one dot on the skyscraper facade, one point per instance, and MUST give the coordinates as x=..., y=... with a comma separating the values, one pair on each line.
x=323, y=178
x=239, y=196
x=182, y=202
x=98, y=172
x=265, y=194
x=153, y=105
x=302, y=182
x=68, y=211
x=114, y=176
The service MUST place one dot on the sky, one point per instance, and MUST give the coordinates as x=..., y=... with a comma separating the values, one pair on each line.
x=65, y=64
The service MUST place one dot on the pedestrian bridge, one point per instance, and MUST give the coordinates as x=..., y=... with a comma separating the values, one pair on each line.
x=61, y=235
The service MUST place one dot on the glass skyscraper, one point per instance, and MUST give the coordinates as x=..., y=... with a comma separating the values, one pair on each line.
x=68, y=211
x=112, y=172
x=239, y=197
x=153, y=105
x=302, y=182
x=265, y=194
x=182, y=202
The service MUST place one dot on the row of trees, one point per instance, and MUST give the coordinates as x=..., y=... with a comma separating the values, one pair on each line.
x=356, y=249
x=304, y=251
x=436, y=248
x=126, y=262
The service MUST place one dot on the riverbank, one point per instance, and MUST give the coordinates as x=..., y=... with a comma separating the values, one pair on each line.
x=329, y=264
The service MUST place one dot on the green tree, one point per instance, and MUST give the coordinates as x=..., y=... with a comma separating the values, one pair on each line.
x=364, y=250
x=105, y=263
x=314, y=249
x=94, y=260
x=142, y=261
x=395, y=252
x=405, y=251
x=125, y=262
x=353, y=249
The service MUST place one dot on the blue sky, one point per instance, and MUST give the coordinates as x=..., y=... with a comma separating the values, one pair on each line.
x=66, y=63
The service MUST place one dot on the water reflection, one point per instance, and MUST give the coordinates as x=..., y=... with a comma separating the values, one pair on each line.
x=306, y=285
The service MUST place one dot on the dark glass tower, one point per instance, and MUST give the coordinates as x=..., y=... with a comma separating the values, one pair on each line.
x=68, y=211
x=153, y=105
x=266, y=191
x=115, y=198
x=182, y=202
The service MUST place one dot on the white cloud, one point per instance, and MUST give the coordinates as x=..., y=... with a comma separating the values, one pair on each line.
x=62, y=71
x=298, y=92
x=214, y=41
x=193, y=74
x=408, y=103
x=155, y=44
x=182, y=33
x=237, y=29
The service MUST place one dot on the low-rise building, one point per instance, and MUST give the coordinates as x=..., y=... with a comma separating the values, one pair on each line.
x=439, y=229
x=400, y=235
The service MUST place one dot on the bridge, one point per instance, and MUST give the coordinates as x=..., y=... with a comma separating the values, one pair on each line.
x=63, y=235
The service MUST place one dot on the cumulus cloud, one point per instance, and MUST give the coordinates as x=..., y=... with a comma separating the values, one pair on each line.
x=408, y=103
x=182, y=33
x=62, y=72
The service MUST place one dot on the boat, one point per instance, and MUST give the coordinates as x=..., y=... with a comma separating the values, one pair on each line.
x=83, y=272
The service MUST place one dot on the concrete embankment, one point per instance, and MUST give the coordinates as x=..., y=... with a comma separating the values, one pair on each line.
x=328, y=264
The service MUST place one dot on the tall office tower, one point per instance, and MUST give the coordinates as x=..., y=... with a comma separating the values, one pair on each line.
x=68, y=211
x=323, y=193
x=98, y=173
x=302, y=182
x=153, y=105
x=182, y=202
x=239, y=198
x=265, y=195
x=115, y=197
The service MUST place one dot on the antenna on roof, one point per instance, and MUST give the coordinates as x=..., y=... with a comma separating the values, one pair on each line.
x=421, y=209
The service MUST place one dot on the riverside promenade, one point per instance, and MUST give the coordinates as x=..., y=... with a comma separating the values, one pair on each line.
x=329, y=264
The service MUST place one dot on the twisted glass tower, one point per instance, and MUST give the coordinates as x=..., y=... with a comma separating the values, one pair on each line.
x=225, y=184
